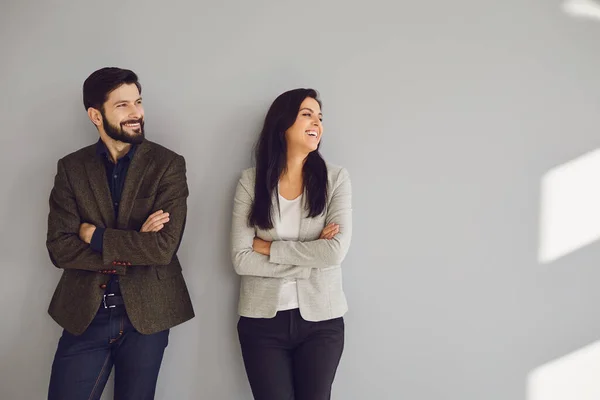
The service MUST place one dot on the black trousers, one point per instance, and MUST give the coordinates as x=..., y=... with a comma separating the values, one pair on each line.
x=288, y=358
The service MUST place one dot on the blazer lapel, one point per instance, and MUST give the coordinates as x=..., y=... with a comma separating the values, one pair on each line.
x=96, y=172
x=275, y=212
x=304, y=221
x=135, y=174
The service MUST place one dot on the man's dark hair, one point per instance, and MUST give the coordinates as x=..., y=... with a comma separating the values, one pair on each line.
x=99, y=84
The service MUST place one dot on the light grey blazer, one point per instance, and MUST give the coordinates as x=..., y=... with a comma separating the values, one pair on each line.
x=314, y=262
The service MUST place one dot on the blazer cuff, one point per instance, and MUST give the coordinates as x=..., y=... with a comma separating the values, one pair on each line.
x=97, y=242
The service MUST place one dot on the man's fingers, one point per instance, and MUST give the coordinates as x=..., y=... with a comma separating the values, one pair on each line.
x=161, y=218
x=155, y=224
x=157, y=218
x=155, y=213
x=153, y=228
x=155, y=221
x=158, y=228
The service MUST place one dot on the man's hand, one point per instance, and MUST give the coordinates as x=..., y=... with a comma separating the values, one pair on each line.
x=155, y=222
x=261, y=246
x=86, y=231
x=330, y=231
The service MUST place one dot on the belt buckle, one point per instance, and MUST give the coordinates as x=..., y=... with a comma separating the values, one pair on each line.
x=104, y=300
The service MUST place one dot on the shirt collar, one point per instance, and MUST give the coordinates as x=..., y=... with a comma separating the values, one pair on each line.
x=102, y=150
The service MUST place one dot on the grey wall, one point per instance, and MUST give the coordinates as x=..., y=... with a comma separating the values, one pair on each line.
x=447, y=115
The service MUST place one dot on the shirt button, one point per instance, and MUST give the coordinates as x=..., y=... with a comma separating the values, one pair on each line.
x=116, y=204
x=115, y=176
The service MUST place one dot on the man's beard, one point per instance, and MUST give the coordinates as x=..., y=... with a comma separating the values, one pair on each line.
x=118, y=132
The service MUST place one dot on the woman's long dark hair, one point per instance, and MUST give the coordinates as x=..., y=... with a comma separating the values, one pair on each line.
x=271, y=160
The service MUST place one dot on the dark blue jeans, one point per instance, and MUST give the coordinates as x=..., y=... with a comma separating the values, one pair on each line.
x=82, y=364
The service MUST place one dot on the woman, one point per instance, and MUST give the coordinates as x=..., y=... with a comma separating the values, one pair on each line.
x=292, y=224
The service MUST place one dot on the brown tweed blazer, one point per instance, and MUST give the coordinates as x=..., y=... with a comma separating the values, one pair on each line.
x=152, y=285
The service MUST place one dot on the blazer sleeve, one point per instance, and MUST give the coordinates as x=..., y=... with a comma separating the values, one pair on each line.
x=323, y=252
x=245, y=260
x=154, y=248
x=65, y=248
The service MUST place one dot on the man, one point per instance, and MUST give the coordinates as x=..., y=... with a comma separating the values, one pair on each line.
x=117, y=215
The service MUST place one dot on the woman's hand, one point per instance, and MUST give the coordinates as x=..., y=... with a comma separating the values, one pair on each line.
x=261, y=246
x=330, y=231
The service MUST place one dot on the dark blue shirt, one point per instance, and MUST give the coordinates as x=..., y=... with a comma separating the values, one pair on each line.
x=115, y=174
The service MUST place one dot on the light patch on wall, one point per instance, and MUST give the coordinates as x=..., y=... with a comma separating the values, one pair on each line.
x=582, y=9
x=570, y=207
x=572, y=377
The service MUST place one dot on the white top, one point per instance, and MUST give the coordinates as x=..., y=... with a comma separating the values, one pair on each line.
x=315, y=263
x=287, y=226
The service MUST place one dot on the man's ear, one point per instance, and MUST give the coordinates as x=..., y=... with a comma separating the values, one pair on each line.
x=95, y=116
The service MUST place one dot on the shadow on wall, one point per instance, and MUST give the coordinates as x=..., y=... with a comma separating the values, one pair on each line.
x=570, y=220
x=571, y=377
